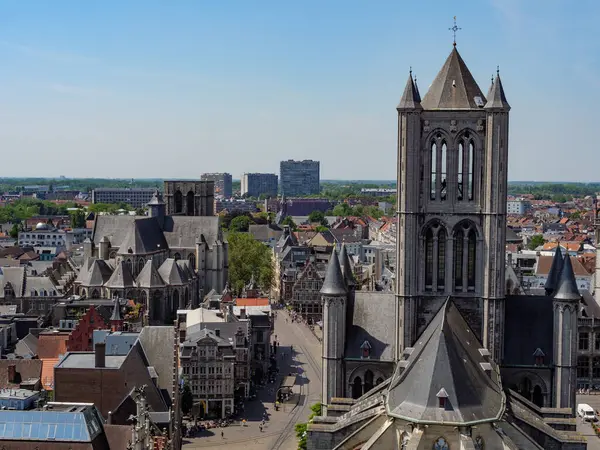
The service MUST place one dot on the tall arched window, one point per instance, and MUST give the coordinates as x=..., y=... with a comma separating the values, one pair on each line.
x=465, y=257
x=368, y=381
x=471, y=172
x=460, y=168
x=443, y=171
x=429, y=259
x=178, y=201
x=433, y=178
x=441, y=259
x=357, y=388
x=189, y=203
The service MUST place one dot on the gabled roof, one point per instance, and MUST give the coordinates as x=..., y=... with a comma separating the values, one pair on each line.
x=143, y=236
x=171, y=272
x=121, y=278
x=149, y=277
x=410, y=100
x=334, y=283
x=496, y=98
x=99, y=273
x=567, y=286
x=454, y=87
x=555, y=270
x=446, y=356
x=116, y=314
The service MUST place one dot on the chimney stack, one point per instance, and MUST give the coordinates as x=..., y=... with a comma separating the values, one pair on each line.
x=100, y=353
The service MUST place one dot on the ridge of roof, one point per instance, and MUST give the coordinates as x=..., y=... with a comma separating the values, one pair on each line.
x=149, y=276
x=121, y=278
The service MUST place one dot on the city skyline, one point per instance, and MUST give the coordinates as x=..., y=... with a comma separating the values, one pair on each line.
x=141, y=90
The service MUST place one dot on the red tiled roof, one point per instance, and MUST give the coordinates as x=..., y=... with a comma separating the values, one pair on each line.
x=251, y=302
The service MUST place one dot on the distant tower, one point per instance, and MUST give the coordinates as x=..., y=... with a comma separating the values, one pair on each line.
x=116, y=320
x=566, y=308
x=452, y=185
x=157, y=208
x=334, y=295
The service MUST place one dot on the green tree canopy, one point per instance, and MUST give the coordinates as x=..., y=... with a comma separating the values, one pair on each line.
x=287, y=220
x=318, y=217
x=77, y=218
x=535, y=241
x=240, y=224
x=247, y=258
x=342, y=210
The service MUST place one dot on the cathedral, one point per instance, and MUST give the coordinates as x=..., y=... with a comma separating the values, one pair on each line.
x=449, y=360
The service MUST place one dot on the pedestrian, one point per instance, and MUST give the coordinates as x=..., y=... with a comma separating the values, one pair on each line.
x=260, y=428
x=222, y=435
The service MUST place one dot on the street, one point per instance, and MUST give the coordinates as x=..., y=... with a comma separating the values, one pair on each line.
x=584, y=427
x=278, y=432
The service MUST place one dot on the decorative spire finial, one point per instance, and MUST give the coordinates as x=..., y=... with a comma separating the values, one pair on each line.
x=454, y=29
x=497, y=70
x=410, y=70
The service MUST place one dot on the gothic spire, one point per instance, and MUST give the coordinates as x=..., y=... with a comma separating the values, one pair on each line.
x=347, y=268
x=116, y=314
x=567, y=286
x=496, y=98
x=411, y=100
x=334, y=283
x=555, y=269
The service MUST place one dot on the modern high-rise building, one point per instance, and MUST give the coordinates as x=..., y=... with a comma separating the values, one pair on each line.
x=257, y=184
x=136, y=197
x=222, y=182
x=299, y=178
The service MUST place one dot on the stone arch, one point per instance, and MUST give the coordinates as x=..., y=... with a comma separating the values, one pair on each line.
x=379, y=381
x=177, y=256
x=112, y=254
x=441, y=443
x=95, y=293
x=192, y=259
x=357, y=388
x=178, y=198
x=144, y=300
x=538, y=397
x=435, y=247
x=140, y=265
x=466, y=237
x=369, y=384
x=189, y=203
x=129, y=295
x=129, y=264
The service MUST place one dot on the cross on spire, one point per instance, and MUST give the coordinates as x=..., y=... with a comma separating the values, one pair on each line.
x=454, y=29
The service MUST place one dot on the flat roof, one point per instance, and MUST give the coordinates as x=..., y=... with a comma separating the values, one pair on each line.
x=17, y=393
x=87, y=360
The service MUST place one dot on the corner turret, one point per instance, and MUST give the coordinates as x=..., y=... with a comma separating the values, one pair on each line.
x=411, y=100
x=555, y=270
x=116, y=320
x=347, y=268
x=157, y=208
x=496, y=99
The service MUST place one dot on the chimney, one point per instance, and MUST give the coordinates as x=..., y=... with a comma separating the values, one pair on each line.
x=12, y=373
x=100, y=353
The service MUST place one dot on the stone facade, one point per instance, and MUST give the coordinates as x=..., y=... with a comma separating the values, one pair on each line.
x=190, y=198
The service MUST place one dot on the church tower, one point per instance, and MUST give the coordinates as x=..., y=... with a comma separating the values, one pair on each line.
x=566, y=307
x=334, y=295
x=452, y=185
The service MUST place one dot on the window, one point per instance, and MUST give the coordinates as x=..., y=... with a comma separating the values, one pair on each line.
x=459, y=175
x=584, y=340
x=429, y=259
x=596, y=367
x=465, y=257
x=458, y=260
x=597, y=341
x=443, y=183
x=441, y=260
x=433, y=180
x=471, y=170
x=583, y=367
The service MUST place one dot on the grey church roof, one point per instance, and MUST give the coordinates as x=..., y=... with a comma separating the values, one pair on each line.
x=149, y=277
x=410, y=98
x=121, y=278
x=446, y=356
x=116, y=314
x=98, y=274
x=156, y=199
x=347, y=267
x=567, y=286
x=143, y=236
x=171, y=272
x=334, y=283
x=555, y=270
x=372, y=319
x=454, y=87
x=496, y=97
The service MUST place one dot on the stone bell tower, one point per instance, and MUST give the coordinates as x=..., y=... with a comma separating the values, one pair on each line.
x=452, y=185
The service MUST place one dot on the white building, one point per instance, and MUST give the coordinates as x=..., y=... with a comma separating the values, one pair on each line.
x=518, y=206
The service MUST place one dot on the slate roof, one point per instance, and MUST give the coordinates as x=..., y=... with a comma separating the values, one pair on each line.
x=446, y=356
x=454, y=87
x=520, y=338
x=567, y=286
x=410, y=98
x=121, y=278
x=27, y=346
x=347, y=267
x=555, y=270
x=184, y=231
x=334, y=283
x=171, y=272
x=496, y=98
x=98, y=274
x=143, y=236
x=372, y=319
x=157, y=343
x=15, y=276
x=149, y=277
x=116, y=314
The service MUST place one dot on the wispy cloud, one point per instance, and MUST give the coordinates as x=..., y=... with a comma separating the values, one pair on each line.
x=47, y=54
x=69, y=89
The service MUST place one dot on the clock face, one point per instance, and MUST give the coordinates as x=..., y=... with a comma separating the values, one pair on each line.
x=441, y=444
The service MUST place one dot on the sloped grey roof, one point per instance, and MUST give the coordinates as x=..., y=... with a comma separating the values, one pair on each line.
x=156, y=198
x=15, y=276
x=143, y=236
x=347, y=267
x=184, y=264
x=39, y=285
x=334, y=283
x=184, y=231
x=115, y=228
x=121, y=278
x=454, y=87
x=116, y=314
x=446, y=356
x=372, y=320
x=567, y=286
x=171, y=272
x=410, y=98
x=555, y=270
x=496, y=97
x=149, y=277
x=158, y=343
x=99, y=273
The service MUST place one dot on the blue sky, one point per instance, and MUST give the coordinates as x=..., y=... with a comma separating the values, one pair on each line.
x=172, y=89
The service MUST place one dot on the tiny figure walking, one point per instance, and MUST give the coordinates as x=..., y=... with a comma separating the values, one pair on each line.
x=260, y=428
x=222, y=435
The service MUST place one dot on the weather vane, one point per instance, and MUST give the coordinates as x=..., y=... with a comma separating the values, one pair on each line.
x=454, y=29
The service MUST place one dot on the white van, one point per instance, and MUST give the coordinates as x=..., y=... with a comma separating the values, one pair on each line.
x=586, y=412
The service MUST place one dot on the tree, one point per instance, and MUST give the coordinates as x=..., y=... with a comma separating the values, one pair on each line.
x=535, y=241
x=342, y=210
x=287, y=220
x=187, y=398
x=14, y=231
x=240, y=223
x=318, y=217
x=249, y=258
x=77, y=218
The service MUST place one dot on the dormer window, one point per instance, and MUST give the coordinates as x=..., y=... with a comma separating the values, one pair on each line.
x=442, y=396
x=538, y=356
x=366, y=349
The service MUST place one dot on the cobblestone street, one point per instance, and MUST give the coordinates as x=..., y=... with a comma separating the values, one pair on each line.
x=278, y=433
